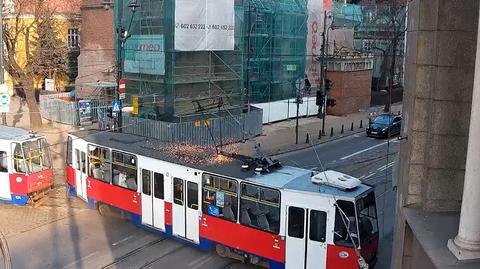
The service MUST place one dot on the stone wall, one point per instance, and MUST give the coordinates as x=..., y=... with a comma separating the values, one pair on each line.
x=440, y=62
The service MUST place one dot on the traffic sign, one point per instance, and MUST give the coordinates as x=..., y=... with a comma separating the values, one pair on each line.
x=4, y=103
x=121, y=87
x=116, y=107
x=122, y=96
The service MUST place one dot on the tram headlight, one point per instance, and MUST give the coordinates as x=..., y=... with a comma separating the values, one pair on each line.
x=19, y=179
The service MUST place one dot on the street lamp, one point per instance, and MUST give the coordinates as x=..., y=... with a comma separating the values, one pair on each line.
x=122, y=37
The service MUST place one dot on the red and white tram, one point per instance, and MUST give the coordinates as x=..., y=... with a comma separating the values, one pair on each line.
x=268, y=214
x=25, y=166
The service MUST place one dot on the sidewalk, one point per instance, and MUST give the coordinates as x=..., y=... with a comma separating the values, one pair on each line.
x=279, y=137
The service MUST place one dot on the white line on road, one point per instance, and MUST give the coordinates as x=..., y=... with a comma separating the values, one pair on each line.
x=385, y=167
x=80, y=260
x=367, y=149
x=123, y=240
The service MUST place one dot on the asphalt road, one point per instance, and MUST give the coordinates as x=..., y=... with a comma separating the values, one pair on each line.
x=88, y=240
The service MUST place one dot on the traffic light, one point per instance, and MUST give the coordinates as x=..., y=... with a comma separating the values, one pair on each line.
x=328, y=85
x=331, y=102
x=320, y=99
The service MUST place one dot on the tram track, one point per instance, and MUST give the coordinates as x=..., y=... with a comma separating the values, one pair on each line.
x=161, y=257
x=133, y=252
x=5, y=251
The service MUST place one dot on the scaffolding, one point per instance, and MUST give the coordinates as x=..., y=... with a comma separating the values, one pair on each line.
x=268, y=57
x=275, y=44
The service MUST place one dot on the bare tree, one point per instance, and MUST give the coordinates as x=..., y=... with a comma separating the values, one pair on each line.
x=33, y=49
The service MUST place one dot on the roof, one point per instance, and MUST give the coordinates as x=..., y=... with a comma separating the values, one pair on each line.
x=13, y=133
x=285, y=177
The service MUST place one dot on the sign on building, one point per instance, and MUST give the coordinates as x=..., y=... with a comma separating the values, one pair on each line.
x=204, y=25
x=85, y=112
x=49, y=85
x=145, y=54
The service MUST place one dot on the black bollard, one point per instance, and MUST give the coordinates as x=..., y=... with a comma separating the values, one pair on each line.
x=351, y=127
x=331, y=132
x=307, y=139
x=342, y=130
x=319, y=134
x=361, y=124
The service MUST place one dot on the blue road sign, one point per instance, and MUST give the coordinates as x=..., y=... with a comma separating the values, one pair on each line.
x=116, y=107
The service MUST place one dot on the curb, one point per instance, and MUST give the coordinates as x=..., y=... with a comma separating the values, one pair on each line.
x=306, y=146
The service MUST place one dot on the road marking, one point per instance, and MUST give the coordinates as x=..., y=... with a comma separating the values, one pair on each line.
x=80, y=260
x=385, y=167
x=123, y=240
x=367, y=149
x=199, y=262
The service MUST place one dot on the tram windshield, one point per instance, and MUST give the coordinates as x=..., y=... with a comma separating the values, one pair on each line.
x=367, y=218
x=31, y=157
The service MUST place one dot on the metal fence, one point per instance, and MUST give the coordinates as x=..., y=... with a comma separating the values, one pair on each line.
x=214, y=131
x=58, y=108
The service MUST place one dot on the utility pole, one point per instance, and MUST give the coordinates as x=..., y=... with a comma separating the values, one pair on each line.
x=298, y=101
x=323, y=68
x=2, y=69
x=122, y=36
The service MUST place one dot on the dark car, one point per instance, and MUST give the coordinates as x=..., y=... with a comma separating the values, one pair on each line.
x=384, y=125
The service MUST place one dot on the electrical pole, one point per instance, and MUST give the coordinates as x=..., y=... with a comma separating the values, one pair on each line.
x=120, y=37
x=298, y=101
x=2, y=69
x=323, y=68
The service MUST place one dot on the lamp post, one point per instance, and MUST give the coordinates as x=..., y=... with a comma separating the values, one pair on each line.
x=122, y=37
x=322, y=111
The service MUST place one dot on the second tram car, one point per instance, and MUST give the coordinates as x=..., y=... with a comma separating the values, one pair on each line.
x=257, y=211
x=25, y=167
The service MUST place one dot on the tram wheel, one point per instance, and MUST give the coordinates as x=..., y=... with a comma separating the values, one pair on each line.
x=104, y=210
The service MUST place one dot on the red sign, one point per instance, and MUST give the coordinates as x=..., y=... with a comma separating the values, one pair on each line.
x=121, y=88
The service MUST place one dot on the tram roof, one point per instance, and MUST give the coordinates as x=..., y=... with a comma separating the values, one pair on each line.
x=14, y=133
x=286, y=177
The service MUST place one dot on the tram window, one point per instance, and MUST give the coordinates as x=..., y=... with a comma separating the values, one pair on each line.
x=99, y=163
x=367, y=217
x=192, y=195
x=178, y=191
x=318, y=225
x=68, y=159
x=3, y=162
x=296, y=222
x=124, y=170
x=260, y=207
x=18, y=160
x=158, y=186
x=37, y=156
x=345, y=225
x=146, y=182
x=219, y=197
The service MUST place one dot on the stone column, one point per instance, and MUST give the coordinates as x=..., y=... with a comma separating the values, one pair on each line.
x=466, y=245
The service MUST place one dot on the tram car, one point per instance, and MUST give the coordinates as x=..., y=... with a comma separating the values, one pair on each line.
x=255, y=210
x=25, y=167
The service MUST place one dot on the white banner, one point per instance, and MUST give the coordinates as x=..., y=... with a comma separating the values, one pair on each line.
x=204, y=25
x=314, y=41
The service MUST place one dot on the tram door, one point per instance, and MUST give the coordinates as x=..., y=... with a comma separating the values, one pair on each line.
x=4, y=176
x=306, y=244
x=185, y=209
x=80, y=160
x=153, y=195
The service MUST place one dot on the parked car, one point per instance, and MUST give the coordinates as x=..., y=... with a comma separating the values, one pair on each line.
x=384, y=125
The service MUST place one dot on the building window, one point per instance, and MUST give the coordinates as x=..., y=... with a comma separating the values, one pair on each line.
x=99, y=163
x=220, y=198
x=73, y=38
x=260, y=207
x=124, y=168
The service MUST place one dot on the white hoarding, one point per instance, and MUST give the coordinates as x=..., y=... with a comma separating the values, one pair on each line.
x=49, y=85
x=314, y=41
x=204, y=25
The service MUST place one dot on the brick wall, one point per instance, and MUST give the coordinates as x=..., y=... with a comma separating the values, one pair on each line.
x=97, y=56
x=352, y=90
